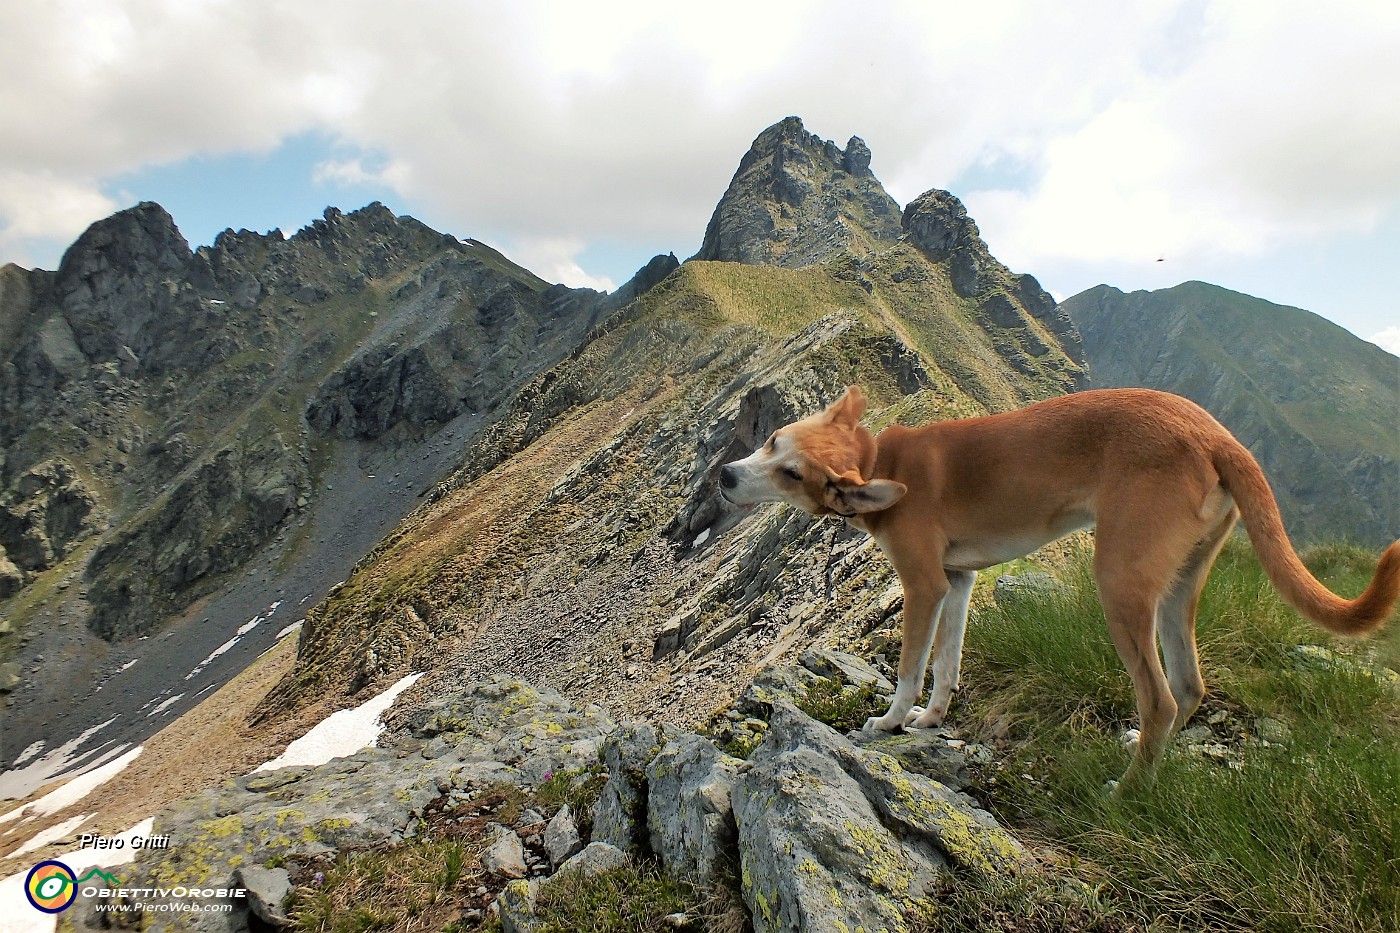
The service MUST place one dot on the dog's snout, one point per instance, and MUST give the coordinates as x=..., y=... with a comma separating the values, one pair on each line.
x=728, y=476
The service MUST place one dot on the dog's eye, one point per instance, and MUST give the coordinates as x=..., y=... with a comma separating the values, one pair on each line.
x=792, y=474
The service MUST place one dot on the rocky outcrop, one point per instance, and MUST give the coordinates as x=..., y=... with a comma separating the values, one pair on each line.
x=831, y=833
x=442, y=751
x=647, y=277
x=619, y=818
x=43, y=514
x=212, y=521
x=1013, y=306
x=821, y=830
x=815, y=830
x=114, y=283
x=689, y=815
x=798, y=200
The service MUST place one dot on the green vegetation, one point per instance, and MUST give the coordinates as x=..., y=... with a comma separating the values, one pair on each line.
x=1290, y=820
x=580, y=790
x=773, y=299
x=418, y=885
x=1021, y=904
x=842, y=707
x=633, y=899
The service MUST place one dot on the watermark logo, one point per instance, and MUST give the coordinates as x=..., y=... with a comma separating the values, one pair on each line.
x=51, y=887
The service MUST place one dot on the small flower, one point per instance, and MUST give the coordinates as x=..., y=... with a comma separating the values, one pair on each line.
x=319, y=878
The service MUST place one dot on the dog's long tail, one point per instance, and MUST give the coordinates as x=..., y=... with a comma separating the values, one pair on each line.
x=1246, y=483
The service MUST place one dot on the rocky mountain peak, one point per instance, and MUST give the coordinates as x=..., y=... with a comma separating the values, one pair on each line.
x=937, y=223
x=797, y=200
x=139, y=242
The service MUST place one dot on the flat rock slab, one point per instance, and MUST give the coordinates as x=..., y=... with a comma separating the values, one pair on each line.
x=463, y=739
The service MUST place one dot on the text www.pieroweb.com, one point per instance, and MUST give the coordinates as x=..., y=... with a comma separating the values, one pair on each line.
x=177, y=908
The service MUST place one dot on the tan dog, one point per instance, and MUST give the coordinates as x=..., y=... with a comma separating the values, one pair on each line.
x=1160, y=479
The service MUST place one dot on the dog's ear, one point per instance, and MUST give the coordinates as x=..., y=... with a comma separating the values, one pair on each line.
x=847, y=410
x=848, y=493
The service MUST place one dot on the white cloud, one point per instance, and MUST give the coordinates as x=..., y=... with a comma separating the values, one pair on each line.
x=1187, y=128
x=555, y=259
x=354, y=171
x=1388, y=339
x=1277, y=129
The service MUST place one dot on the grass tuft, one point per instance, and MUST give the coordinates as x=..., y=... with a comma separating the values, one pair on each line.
x=839, y=706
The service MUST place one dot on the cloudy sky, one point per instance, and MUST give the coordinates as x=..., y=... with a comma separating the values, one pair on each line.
x=1251, y=144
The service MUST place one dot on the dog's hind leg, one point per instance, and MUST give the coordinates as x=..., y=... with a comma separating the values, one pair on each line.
x=924, y=592
x=1136, y=562
x=1176, y=622
x=947, y=650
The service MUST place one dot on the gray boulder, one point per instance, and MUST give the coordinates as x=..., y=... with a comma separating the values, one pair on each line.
x=561, y=838
x=267, y=889
x=594, y=859
x=620, y=816
x=690, y=816
x=517, y=902
x=506, y=854
x=1013, y=588
x=831, y=834
x=845, y=667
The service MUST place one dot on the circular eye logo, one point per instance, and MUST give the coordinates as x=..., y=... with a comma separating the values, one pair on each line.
x=51, y=887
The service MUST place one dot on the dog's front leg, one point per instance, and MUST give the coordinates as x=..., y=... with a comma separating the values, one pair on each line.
x=923, y=597
x=947, y=651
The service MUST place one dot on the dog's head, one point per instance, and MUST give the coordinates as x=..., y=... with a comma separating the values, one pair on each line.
x=817, y=464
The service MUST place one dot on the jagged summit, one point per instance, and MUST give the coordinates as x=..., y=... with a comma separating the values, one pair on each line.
x=138, y=237
x=797, y=200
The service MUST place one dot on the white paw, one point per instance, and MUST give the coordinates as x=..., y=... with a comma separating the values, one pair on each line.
x=885, y=723
x=930, y=718
x=1130, y=739
x=914, y=713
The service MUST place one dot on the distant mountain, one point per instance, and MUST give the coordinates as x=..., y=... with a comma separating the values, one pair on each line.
x=176, y=425
x=1319, y=407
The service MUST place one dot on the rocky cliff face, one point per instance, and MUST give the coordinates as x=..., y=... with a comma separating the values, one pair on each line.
x=169, y=416
x=1315, y=405
x=797, y=201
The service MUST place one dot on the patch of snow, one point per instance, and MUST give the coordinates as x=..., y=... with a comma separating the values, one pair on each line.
x=294, y=627
x=243, y=629
x=77, y=788
x=29, y=753
x=18, y=784
x=52, y=834
x=701, y=538
x=341, y=733
x=164, y=706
